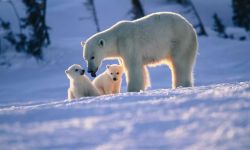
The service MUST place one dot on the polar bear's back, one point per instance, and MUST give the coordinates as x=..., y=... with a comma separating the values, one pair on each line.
x=159, y=20
x=162, y=17
x=163, y=23
x=156, y=35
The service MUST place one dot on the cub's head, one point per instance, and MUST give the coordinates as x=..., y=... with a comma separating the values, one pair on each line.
x=96, y=48
x=115, y=72
x=74, y=72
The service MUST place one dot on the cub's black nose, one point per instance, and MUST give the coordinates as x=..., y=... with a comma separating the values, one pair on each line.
x=82, y=72
x=114, y=79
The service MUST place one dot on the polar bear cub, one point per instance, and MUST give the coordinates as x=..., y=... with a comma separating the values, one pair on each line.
x=109, y=82
x=80, y=85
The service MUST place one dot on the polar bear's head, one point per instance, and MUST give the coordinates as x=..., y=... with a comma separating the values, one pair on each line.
x=74, y=72
x=97, y=48
x=115, y=72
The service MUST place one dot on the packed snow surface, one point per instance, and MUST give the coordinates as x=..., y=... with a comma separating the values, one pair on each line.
x=211, y=117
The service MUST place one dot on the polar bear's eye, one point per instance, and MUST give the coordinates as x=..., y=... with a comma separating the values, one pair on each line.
x=101, y=43
x=117, y=73
x=76, y=70
x=111, y=73
x=93, y=57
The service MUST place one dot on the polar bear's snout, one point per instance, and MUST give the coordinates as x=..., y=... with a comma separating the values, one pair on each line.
x=92, y=71
x=93, y=74
x=74, y=71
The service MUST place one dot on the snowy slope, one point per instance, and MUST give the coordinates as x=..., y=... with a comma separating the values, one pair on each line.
x=213, y=115
x=210, y=117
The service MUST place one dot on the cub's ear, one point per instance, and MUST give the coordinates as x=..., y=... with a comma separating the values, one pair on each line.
x=107, y=66
x=66, y=71
x=83, y=43
x=101, y=42
x=122, y=69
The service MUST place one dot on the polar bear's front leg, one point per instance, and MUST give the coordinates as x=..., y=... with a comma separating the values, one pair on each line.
x=117, y=88
x=135, y=78
x=107, y=90
x=70, y=95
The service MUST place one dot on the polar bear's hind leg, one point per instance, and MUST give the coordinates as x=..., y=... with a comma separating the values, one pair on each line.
x=182, y=64
x=181, y=74
x=146, y=78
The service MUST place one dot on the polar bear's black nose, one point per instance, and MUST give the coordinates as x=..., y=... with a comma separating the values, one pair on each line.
x=92, y=72
x=114, y=79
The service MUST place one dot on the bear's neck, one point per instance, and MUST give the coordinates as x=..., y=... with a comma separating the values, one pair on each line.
x=76, y=83
x=111, y=52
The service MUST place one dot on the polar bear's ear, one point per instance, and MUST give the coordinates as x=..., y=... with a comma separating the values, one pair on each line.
x=107, y=66
x=83, y=43
x=66, y=71
x=101, y=43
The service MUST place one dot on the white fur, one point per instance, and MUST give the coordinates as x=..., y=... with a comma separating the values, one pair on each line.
x=159, y=38
x=80, y=85
x=105, y=82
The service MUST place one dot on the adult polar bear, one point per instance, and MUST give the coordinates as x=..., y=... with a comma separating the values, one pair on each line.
x=159, y=38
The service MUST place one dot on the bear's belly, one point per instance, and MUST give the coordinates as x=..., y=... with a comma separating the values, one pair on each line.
x=154, y=61
x=155, y=56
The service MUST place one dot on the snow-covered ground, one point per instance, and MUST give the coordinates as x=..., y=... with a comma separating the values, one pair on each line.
x=210, y=117
x=215, y=114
